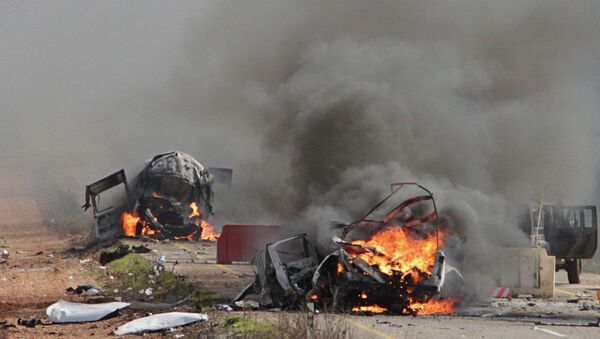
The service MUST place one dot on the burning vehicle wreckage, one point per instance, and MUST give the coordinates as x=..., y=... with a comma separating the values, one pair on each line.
x=171, y=198
x=383, y=263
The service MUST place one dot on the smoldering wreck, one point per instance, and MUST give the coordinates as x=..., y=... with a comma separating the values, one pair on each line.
x=389, y=261
x=172, y=197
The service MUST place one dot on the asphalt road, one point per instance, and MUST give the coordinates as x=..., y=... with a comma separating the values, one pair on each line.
x=459, y=327
x=499, y=319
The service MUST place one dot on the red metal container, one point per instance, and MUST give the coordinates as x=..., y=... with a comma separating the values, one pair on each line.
x=240, y=242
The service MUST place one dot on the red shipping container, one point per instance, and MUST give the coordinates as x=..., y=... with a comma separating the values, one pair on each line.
x=240, y=242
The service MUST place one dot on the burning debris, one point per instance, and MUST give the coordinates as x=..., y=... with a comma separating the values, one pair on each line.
x=384, y=263
x=171, y=198
x=283, y=272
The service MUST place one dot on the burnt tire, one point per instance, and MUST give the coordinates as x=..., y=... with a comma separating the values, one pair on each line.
x=573, y=269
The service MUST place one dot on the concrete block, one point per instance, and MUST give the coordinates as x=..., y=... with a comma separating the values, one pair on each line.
x=528, y=271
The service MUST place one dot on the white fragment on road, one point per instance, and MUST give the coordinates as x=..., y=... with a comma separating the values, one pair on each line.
x=159, y=322
x=550, y=332
x=71, y=312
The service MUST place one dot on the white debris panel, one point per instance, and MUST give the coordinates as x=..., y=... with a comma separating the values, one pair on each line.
x=159, y=322
x=70, y=312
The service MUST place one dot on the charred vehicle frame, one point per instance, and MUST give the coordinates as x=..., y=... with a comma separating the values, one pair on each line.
x=342, y=280
x=170, y=198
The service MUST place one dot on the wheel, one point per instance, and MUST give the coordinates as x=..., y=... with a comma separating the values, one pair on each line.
x=573, y=269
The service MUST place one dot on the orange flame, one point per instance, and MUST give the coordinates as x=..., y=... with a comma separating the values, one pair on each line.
x=195, y=212
x=183, y=237
x=147, y=230
x=445, y=306
x=369, y=308
x=208, y=231
x=129, y=224
x=402, y=251
x=340, y=268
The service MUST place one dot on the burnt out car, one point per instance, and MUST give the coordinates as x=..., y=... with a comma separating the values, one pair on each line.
x=283, y=273
x=388, y=261
x=172, y=197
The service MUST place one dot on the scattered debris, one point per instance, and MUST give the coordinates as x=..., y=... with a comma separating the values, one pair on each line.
x=159, y=266
x=32, y=322
x=223, y=308
x=587, y=305
x=85, y=261
x=85, y=289
x=585, y=295
x=138, y=305
x=120, y=252
x=140, y=249
x=159, y=322
x=284, y=272
x=78, y=248
x=4, y=324
x=5, y=254
x=71, y=312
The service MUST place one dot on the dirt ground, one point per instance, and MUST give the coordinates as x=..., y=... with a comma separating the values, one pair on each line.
x=30, y=281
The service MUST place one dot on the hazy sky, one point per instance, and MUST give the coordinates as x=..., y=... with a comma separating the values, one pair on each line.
x=298, y=97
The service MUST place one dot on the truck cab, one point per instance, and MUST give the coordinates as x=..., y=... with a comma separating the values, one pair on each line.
x=570, y=233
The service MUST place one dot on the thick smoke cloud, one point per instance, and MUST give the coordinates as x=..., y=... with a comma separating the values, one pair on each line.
x=489, y=105
x=497, y=98
x=318, y=106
